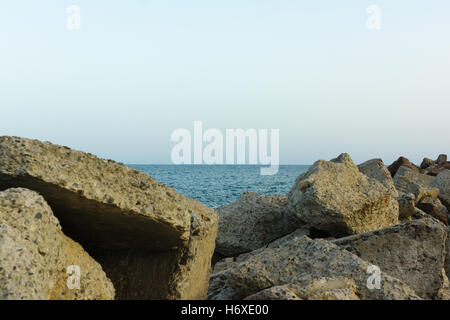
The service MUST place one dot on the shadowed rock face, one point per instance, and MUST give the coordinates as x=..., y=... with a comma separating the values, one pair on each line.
x=35, y=254
x=117, y=212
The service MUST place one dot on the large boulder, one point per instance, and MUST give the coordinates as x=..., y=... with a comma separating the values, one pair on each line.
x=413, y=252
x=376, y=169
x=143, y=233
x=252, y=222
x=317, y=289
x=37, y=259
x=407, y=180
x=442, y=182
x=447, y=253
x=299, y=262
x=402, y=161
x=335, y=197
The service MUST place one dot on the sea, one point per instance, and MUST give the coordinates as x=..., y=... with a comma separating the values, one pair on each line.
x=218, y=185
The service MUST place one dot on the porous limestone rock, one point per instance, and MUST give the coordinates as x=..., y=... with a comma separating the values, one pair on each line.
x=442, y=182
x=152, y=242
x=333, y=196
x=413, y=252
x=299, y=262
x=252, y=222
x=406, y=205
x=408, y=180
x=37, y=259
x=285, y=292
x=376, y=169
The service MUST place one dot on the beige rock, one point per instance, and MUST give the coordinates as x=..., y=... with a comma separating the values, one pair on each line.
x=406, y=205
x=300, y=261
x=252, y=222
x=35, y=255
x=376, y=169
x=152, y=242
x=413, y=252
x=447, y=253
x=335, y=197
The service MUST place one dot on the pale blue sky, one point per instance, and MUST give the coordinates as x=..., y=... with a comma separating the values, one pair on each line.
x=137, y=70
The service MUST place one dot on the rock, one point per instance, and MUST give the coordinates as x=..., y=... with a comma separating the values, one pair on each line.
x=408, y=180
x=333, y=196
x=430, y=206
x=35, y=255
x=402, y=161
x=442, y=158
x=315, y=289
x=252, y=222
x=275, y=293
x=412, y=252
x=427, y=162
x=301, y=261
x=447, y=253
x=406, y=205
x=436, y=169
x=376, y=169
x=219, y=289
x=144, y=234
x=442, y=182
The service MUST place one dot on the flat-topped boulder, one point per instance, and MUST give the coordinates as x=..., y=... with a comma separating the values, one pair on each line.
x=300, y=262
x=335, y=197
x=413, y=252
x=252, y=222
x=36, y=257
x=142, y=232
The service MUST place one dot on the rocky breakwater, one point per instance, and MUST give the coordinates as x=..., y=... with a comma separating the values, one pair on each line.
x=348, y=221
x=151, y=242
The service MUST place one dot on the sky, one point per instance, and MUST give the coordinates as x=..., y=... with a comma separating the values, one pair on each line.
x=137, y=70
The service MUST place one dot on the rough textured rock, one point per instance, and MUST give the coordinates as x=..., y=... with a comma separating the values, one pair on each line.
x=406, y=205
x=315, y=289
x=408, y=180
x=285, y=292
x=299, y=262
x=442, y=182
x=143, y=233
x=427, y=162
x=252, y=222
x=433, y=210
x=442, y=158
x=402, y=161
x=413, y=252
x=35, y=254
x=447, y=253
x=376, y=169
x=333, y=196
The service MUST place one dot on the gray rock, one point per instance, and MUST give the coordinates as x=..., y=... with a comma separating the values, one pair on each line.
x=333, y=196
x=376, y=169
x=447, y=253
x=427, y=162
x=35, y=255
x=442, y=182
x=301, y=261
x=252, y=222
x=408, y=180
x=442, y=158
x=152, y=242
x=285, y=292
x=412, y=252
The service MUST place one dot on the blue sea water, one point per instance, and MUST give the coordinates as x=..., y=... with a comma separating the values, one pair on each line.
x=217, y=185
